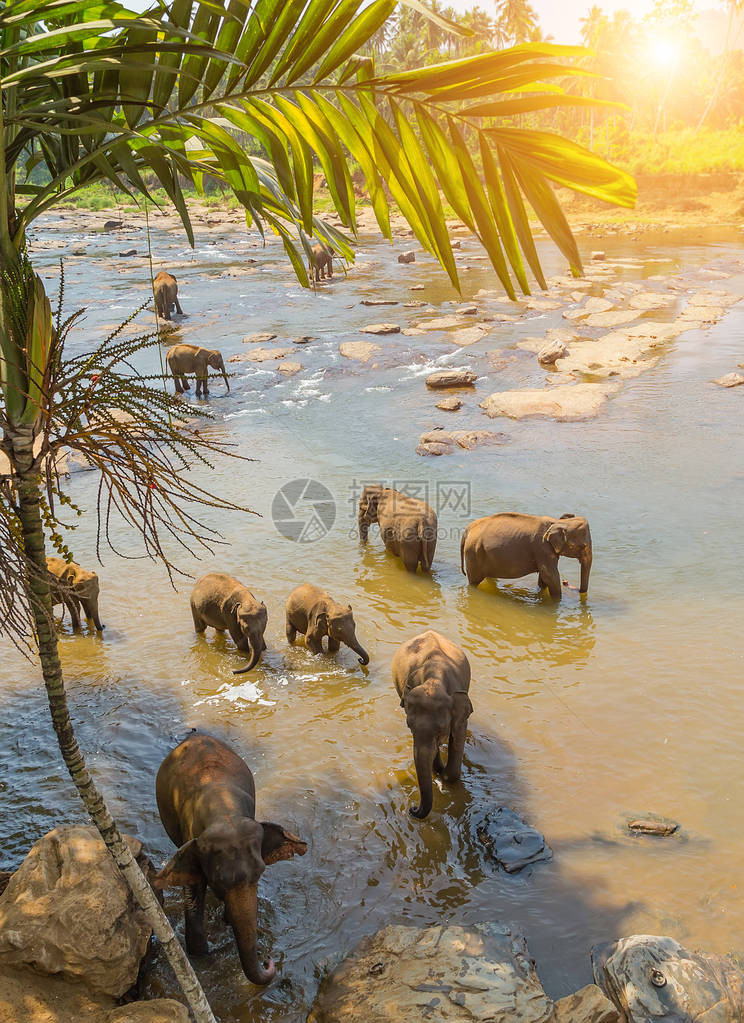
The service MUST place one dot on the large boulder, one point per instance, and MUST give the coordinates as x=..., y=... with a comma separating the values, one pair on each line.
x=451, y=378
x=447, y=442
x=68, y=911
x=655, y=978
x=565, y=403
x=589, y=1005
x=437, y=974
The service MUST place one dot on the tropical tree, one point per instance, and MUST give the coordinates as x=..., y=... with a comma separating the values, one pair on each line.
x=91, y=90
x=516, y=20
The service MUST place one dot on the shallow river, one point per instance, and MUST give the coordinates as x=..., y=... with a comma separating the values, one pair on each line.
x=586, y=712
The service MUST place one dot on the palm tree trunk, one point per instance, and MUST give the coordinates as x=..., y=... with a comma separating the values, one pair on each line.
x=28, y=485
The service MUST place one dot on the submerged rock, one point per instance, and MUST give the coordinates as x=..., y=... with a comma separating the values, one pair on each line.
x=655, y=978
x=468, y=335
x=258, y=339
x=303, y=339
x=436, y=974
x=589, y=1005
x=730, y=380
x=446, y=442
x=452, y=378
x=360, y=350
x=598, y=255
x=159, y=1010
x=417, y=287
x=652, y=826
x=128, y=252
x=111, y=225
x=68, y=911
x=551, y=352
x=510, y=841
x=565, y=403
x=450, y=404
x=261, y=355
x=288, y=369
x=441, y=323
x=381, y=328
x=379, y=301
x=407, y=257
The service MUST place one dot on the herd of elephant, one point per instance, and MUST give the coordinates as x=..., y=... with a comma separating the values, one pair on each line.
x=205, y=791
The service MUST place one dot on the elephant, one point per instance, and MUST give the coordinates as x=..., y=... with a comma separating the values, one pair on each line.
x=224, y=603
x=183, y=359
x=320, y=260
x=408, y=527
x=315, y=614
x=165, y=289
x=432, y=677
x=510, y=545
x=73, y=587
x=207, y=803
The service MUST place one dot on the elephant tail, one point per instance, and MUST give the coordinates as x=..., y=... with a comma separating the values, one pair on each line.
x=462, y=550
x=428, y=546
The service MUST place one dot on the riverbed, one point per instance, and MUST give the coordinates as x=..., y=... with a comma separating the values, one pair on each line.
x=587, y=712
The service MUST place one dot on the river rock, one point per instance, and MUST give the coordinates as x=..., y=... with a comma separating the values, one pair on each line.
x=566, y=403
x=68, y=911
x=111, y=225
x=159, y=1010
x=417, y=287
x=407, y=257
x=79, y=250
x=469, y=309
x=510, y=841
x=441, y=323
x=303, y=339
x=613, y=318
x=589, y=1005
x=468, y=335
x=381, y=328
x=652, y=826
x=651, y=300
x=261, y=355
x=446, y=442
x=436, y=974
x=379, y=301
x=655, y=978
x=450, y=404
x=730, y=380
x=362, y=351
x=598, y=255
x=452, y=378
x=551, y=352
x=128, y=252
x=288, y=369
x=258, y=339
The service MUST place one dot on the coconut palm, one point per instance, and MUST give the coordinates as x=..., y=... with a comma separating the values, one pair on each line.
x=91, y=90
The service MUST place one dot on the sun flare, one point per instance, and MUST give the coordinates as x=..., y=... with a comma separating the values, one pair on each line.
x=664, y=52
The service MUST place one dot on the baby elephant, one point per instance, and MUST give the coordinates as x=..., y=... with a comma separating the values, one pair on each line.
x=207, y=803
x=165, y=289
x=320, y=259
x=432, y=676
x=224, y=603
x=408, y=527
x=73, y=587
x=315, y=614
x=511, y=545
x=183, y=359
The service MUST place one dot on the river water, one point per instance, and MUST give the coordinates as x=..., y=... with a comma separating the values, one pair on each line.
x=587, y=712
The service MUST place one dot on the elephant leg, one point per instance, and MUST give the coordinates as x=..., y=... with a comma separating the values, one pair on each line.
x=72, y=605
x=314, y=642
x=179, y=310
x=178, y=381
x=474, y=576
x=438, y=765
x=334, y=645
x=199, y=623
x=193, y=902
x=410, y=556
x=237, y=637
x=455, y=750
x=551, y=577
x=541, y=584
x=291, y=632
x=185, y=383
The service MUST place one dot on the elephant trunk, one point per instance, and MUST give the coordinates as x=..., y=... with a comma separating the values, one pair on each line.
x=224, y=374
x=423, y=756
x=363, y=528
x=241, y=903
x=91, y=611
x=586, y=567
x=255, y=652
x=358, y=649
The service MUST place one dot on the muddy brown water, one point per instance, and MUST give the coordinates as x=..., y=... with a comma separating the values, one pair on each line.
x=587, y=713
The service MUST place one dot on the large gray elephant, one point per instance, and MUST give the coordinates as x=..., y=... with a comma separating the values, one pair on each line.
x=320, y=260
x=408, y=526
x=74, y=587
x=223, y=603
x=207, y=803
x=183, y=359
x=510, y=545
x=432, y=677
x=315, y=614
x=165, y=290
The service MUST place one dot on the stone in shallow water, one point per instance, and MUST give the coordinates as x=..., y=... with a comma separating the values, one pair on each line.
x=551, y=352
x=613, y=318
x=417, y=287
x=359, y=350
x=379, y=301
x=441, y=323
x=589, y=1005
x=564, y=404
x=510, y=841
x=655, y=978
x=452, y=378
x=435, y=974
x=652, y=826
x=450, y=404
x=288, y=369
x=258, y=339
x=730, y=380
x=407, y=257
x=303, y=339
x=446, y=442
x=381, y=328
x=261, y=355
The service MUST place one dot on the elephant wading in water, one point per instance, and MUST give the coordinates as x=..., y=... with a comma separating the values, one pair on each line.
x=320, y=260
x=73, y=587
x=207, y=803
x=165, y=289
x=432, y=676
x=408, y=527
x=315, y=614
x=225, y=604
x=183, y=359
x=511, y=545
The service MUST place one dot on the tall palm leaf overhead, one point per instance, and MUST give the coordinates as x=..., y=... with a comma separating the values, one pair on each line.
x=101, y=92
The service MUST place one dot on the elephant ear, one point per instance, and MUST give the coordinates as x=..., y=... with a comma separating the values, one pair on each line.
x=462, y=702
x=556, y=537
x=182, y=869
x=568, y=515
x=279, y=844
x=319, y=621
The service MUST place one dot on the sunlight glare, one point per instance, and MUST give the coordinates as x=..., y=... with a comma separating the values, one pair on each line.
x=664, y=52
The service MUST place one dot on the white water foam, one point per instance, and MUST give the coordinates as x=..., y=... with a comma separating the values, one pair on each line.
x=246, y=692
